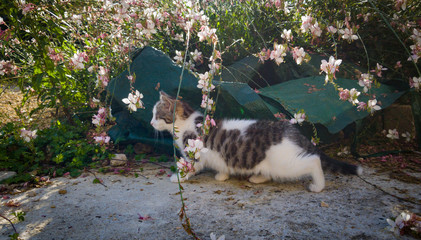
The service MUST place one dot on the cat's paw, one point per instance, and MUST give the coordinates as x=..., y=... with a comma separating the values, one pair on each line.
x=258, y=179
x=315, y=188
x=221, y=176
x=174, y=178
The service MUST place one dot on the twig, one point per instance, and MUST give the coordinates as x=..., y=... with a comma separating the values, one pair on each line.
x=10, y=223
x=390, y=194
x=148, y=161
x=89, y=171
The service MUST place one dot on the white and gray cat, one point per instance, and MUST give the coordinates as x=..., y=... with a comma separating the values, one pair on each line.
x=263, y=149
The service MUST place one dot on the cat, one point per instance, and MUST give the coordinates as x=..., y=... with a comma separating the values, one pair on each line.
x=266, y=150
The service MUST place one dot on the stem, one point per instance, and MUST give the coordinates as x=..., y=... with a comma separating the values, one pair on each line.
x=183, y=208
x=10, y=223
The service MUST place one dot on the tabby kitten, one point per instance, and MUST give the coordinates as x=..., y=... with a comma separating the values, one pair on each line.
x=263, y=149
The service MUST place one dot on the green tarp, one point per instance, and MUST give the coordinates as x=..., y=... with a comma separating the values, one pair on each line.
x=235, y=94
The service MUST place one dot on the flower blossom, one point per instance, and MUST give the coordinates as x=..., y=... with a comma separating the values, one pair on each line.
x=100, y=118
x=184, y=167
x=393, y=134
x=207, y=34
x=407, y=136
x=103, y=76
x=330, y=68
x=365, y=81
x=415, y=82
x=78, y=60
x=348, y=34
x=378, y=70
x=134, y=101
x=305, y=23
x=149, y=29
x=316, y=30
x=28, y=135
x=204, y=82
x=102, y=139
x=194, y=147
x=278, y=53
x=372, y=106
x=298, y=54
x=354, y=96
x=332, y=29
x=299, y=118
x=286, y=34
x=179, y=56
x=399, y=223
x=206, y=102
x=196, y=56
x=27, y=7
x=344, y=94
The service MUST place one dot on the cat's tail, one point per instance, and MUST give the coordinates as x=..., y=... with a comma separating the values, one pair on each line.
x=333, y=165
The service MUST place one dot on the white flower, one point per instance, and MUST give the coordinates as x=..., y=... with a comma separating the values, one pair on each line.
x=330, y=68
x=134, y=101
x=315, y=30
x=415, y=82
x=354, y=96
x=393, y=134
x=399, y=223
x=287, y=35
x=278, y=53
x=407, y=136
x=1, y=21
x=305, y=23
x=78, y=60
x=365, y=81
x=196, y=55
x=298, y=54
x=194, y=147
x=28, y=135
x=372, y=105
x=178, y=56
x=298, y=118
x=347, y=34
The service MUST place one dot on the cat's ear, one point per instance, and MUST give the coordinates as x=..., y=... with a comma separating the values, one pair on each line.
x=163, y=96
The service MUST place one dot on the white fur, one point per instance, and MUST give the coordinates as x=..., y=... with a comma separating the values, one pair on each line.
x=283, y=160
x=241, y=125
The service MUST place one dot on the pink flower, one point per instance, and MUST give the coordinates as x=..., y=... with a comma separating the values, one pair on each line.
x=100, y=118
x=378, y=70
x=103, y=76
x=365, y=81
x=362, y=106
x=344, y=94
x=26, y=8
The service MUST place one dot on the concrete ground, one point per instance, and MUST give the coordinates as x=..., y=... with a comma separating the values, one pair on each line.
x=348, y=208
